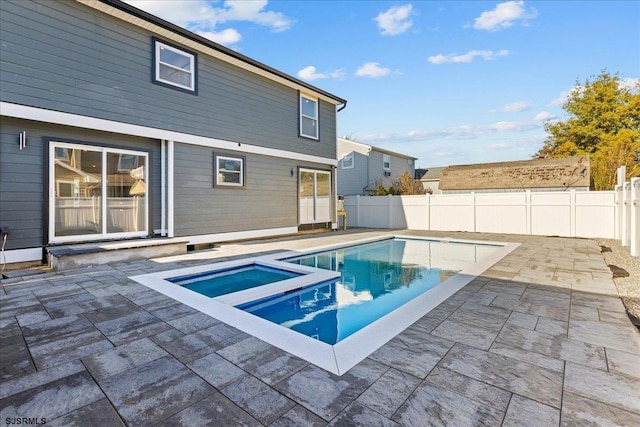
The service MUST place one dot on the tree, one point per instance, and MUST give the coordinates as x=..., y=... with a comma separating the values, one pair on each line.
x=604, y=124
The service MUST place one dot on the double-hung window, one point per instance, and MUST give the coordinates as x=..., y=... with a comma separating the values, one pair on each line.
x=174, y=67
x=386, y=162
x=308, y=117
x=229, y=171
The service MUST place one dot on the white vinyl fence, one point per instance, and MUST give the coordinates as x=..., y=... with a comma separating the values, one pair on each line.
x=607, y=214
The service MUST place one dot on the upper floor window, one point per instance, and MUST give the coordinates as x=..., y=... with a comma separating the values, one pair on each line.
x=386, y=162
x=347, y=161
x=174, y=67
x=308, y=117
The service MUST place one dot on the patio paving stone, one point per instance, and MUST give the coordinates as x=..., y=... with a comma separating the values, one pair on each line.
x=581, y=411
x=552, y=327
x=122, y=358
x=201, y=343
x=299, y=416
x=412, y=352
x=471, y=335
x=15, y=360
x=52, y=399
x=557, y=347
x=327, y=394
x=619, y=337
x=267, y=362
x=101, y=413
x=193, y=322
x=261, y=401
x=359, y=415
x=517, y=377
x=216, y=370
x=486, y=317
x=526, y=412
x=623, y=363
x=213, y=410
x=389, y=392
x=132, y=327
x=470, y=388
x=532, y=357
x=616, y=390
x=431, y=405
x=154, y=391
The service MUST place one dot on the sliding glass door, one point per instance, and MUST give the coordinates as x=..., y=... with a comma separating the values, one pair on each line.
x=315, y=196
x=96, y=192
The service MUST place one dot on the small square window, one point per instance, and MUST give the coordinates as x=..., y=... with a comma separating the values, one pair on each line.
x=386, y=162
x=229, y=171
x=347, y=161
x=174, y=67
x=308, y=117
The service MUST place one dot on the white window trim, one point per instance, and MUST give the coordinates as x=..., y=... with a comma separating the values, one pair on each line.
x=192, y=63
x=349, y=157
x=316, y=118
x=241, y=173
x=103, y=234
x=388, y=161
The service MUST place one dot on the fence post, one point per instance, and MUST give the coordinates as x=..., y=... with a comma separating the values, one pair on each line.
x=626, y=210
x=527, y=201
x=390, y=210
x=635, y=217
x=572, y=213
x=428, y=210
x=357, y=211
x=473, y=209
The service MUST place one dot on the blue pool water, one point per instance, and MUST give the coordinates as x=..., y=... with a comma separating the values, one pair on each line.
x=376, y=278
x=213, y=284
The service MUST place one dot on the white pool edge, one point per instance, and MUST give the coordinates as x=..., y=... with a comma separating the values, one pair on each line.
x=341, y=357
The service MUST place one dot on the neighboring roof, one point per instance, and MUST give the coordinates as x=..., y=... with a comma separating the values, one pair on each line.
x=540, y=173
x=224, y=53
x=372, y=148
x=430, y=174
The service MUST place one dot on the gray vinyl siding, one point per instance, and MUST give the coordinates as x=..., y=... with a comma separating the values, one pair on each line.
x=351, y=182
x=23, y=199
x=64, y=56
x=269, y=199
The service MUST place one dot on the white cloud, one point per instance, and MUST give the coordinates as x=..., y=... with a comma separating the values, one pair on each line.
x=395, y=20
x=514, y=107
x=226, y=37
x=504, y=16
x=203, y=18
x=544, y=116
x=487, y=55
x=372, y=69
x=311, y=73
x=629, y=83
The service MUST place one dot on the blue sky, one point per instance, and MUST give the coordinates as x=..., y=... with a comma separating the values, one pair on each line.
x=453, y=82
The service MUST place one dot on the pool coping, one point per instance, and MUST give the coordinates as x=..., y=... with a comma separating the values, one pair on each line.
x=345, y=354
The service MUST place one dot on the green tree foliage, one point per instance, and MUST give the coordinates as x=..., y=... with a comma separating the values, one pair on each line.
x=604, y=124
x=405, y=185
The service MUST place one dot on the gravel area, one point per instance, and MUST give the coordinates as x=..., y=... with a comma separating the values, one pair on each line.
x=626, y=276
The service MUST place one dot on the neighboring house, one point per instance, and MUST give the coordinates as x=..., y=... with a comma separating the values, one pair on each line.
x=119, y=125
x=430, y=179
x=362, y=167
x=535, y=175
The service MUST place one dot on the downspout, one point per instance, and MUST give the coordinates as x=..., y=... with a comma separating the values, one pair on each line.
x=335, y=177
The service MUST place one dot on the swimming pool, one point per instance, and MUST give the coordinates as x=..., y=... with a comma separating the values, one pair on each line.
x=328, y=285
x=375, y=279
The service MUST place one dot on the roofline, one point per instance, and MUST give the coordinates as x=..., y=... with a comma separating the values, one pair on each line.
x=381, y=150
x=125, y=7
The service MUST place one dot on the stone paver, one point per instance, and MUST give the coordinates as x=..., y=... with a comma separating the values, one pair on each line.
x=539, y=339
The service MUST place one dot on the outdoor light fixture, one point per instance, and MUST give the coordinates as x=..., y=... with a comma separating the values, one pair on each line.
x=23, y=140
x=292, y=172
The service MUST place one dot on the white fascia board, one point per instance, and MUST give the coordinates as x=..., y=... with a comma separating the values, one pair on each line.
x=57, y=117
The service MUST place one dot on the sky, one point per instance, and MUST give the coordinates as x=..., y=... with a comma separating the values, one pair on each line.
x=448, y=82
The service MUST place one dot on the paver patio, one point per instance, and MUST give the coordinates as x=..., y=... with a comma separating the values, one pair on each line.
x=539, y=339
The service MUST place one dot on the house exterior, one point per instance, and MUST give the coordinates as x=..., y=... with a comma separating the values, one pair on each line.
x=430, y=179
x=362, y=167
x=535, y=175
x=116, y=124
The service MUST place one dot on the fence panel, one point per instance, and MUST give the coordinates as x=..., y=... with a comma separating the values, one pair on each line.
x=452, y=212
x=502, y=213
